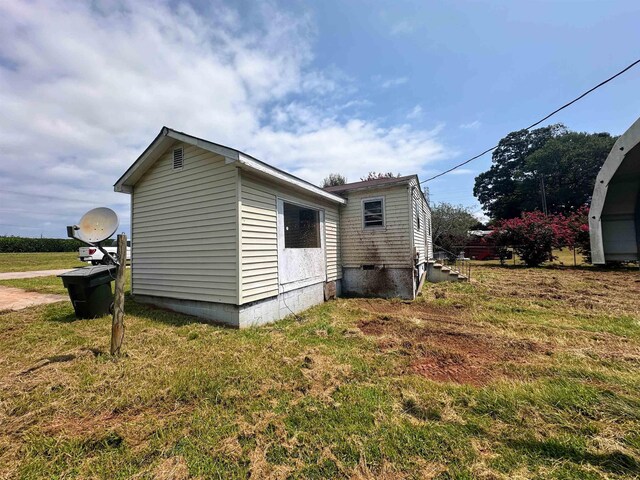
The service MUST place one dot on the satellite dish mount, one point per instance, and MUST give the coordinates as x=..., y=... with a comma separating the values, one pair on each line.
x=95, y=227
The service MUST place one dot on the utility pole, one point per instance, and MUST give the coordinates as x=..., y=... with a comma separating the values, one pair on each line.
x=544, y=195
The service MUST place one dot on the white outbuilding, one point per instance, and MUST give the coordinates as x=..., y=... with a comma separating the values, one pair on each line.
x=614, y=216
x=221, y=235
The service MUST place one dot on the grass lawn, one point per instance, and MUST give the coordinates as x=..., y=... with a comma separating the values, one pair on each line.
x=524, y=373
x=24, y=262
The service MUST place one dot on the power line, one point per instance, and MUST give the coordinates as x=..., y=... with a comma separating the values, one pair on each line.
x=604, y=82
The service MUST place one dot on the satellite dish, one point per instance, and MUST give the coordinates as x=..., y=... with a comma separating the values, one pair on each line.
x=96, y=225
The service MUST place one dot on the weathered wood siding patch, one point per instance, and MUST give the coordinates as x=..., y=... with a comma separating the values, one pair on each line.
x=421, y=220
x=390, y=245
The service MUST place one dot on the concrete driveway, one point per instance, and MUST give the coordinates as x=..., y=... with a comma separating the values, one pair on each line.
x=33, y=274
x=17, y=299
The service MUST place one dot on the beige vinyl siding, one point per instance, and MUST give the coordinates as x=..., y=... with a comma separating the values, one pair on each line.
x=429, y=239
x=259, y=241
x=391, y=245
x=419, y=208
x=332, y=243
x=259, y=236
x=185, y=228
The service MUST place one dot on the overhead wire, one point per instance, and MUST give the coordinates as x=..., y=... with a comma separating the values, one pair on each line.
x=546, y=117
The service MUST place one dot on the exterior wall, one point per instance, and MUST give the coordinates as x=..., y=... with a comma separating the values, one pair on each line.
x=379, y=282
x=620, y=219
x=214, y=312
x=332, y=243
x=421, y=234
x=429, y=234
x=259, y=237
x=390, y=245
x=271, y=309
x=242, y=316
x=184, y=229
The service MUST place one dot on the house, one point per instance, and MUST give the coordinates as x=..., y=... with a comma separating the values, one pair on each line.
x=385, y=236
x=614, y=216
x=223, y=236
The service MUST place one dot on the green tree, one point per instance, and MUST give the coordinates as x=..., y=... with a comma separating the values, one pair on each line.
x=569, y=165
x=508, y=188
x=378, y=175
x=333, y=180
x=450, y=225
x=566, y=162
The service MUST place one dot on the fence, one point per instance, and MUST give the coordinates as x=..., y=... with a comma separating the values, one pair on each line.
x=457, y=262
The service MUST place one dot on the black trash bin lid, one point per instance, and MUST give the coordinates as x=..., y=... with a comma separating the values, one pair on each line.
x=90, y=272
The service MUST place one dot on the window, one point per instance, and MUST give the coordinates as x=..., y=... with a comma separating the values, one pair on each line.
x=301, y=227
x=417, y=218
x=373, y=213
x=178, y=158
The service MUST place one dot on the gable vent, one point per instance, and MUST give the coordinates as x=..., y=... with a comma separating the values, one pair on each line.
x=178, y=158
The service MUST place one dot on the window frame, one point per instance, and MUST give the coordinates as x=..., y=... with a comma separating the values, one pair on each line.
x=384, y=213
x=319, y=213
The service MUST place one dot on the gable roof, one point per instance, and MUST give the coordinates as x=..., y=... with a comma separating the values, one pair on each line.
x=168, y=136
x=378, y=182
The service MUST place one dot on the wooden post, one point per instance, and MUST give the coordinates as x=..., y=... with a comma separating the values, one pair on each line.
x=117, y=325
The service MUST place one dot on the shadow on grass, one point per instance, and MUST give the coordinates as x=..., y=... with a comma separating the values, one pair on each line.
x=133, y=308
x=68, y=318
x=614, y=462
x=59, y=359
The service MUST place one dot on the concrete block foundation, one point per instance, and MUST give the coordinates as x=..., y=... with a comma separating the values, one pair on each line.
x=251, y=314
x=379, y=282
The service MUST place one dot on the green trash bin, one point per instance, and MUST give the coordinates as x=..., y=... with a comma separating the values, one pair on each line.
x=90, y=290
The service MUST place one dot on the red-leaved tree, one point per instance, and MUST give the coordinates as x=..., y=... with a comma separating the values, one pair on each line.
x=578, y=222
x=534, y=235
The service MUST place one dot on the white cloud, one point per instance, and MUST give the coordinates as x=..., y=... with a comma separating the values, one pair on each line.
x=393, y=82
x=471, y=125
x=462, y=171
x=85, y=87
x=415, y=113
x=402, y=27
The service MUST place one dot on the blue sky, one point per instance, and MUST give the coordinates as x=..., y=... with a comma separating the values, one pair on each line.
x=311, y=87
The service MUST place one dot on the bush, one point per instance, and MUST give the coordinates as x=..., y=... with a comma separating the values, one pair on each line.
x=32, y=245
x=534, y=235
x=578, y=222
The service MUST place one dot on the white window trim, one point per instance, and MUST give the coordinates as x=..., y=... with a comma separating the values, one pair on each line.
x=384, y=213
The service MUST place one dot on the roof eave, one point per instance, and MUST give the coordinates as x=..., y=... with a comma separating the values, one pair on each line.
x=126, y=182
x=249, y=163
x=404, y=181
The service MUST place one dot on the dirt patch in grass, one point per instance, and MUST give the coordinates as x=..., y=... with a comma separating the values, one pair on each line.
x=450, y=351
